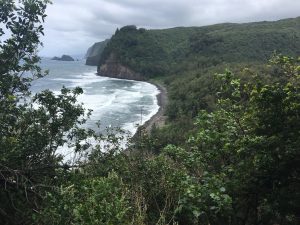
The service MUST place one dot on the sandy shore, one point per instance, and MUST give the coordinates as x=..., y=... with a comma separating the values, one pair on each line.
x=159, y=119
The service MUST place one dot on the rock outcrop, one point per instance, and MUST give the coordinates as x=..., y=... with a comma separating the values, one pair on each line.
x=113, y=68
x=63, y=58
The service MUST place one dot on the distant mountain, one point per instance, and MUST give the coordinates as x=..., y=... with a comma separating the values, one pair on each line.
x=152, y=53
x=94, y=52
x=63, y=58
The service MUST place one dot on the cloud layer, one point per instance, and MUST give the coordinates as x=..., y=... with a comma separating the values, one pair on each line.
x=74, y=25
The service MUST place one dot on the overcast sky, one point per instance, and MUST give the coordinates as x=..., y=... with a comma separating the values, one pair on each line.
x=74, y=25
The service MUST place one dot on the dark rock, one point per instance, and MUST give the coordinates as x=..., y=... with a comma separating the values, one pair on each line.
x=63, y=58
x=113, y=68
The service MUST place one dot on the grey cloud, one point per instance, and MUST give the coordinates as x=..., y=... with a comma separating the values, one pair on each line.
x=73, y=25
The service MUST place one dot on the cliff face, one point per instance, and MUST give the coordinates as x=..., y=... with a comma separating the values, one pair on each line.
x=93, y=53
x=92, y=61
x=113, y=68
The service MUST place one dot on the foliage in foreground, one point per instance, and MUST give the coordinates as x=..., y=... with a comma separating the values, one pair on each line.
x=32, y=128
x=240, y=167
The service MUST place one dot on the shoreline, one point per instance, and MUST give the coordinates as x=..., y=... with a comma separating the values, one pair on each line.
x=158, y=119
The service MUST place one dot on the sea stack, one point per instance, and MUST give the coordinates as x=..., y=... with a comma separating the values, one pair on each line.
x=63, y=58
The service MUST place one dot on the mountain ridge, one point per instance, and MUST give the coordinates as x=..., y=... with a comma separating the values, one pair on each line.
x=161, y=52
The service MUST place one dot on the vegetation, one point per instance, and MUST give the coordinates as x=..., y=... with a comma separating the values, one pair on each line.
x=32, y=128
x=186, y=49
x=238, y=165
x=185, y=58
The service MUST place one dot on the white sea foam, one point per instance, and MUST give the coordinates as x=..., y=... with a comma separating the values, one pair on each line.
x=113, y=101
x=153, y=91
x=119, y=101
x=82, y=80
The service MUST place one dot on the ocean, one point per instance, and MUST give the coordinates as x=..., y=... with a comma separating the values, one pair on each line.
x=115, y=103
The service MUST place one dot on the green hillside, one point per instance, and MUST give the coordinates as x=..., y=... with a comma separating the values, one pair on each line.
x=168, y=51
x=229, y=154
x=185, y=59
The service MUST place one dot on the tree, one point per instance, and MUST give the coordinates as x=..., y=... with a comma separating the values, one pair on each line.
x=32, y=128
x=95, y=201
x=252, y=141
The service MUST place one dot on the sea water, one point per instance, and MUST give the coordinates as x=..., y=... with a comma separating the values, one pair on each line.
x=114, y=103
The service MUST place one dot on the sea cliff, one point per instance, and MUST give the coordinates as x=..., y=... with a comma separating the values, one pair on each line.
x=94, y=53
x=114, y=69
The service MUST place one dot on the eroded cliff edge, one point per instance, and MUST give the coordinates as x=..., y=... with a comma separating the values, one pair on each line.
x=114, y=69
